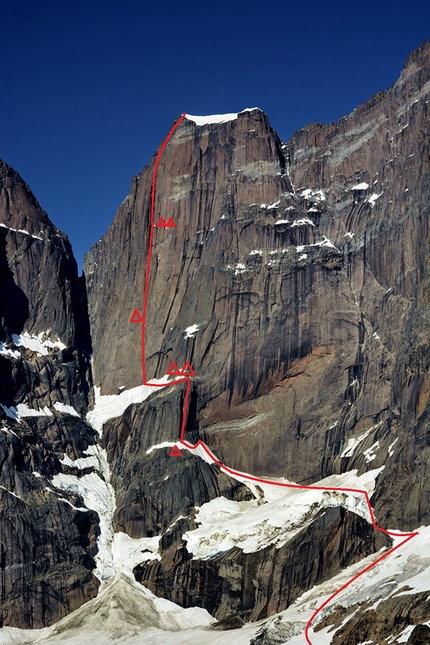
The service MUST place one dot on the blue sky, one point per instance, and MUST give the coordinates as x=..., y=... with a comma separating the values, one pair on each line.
x=89, y=88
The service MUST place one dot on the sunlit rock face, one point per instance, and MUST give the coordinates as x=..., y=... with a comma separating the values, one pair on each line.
x=295, y=282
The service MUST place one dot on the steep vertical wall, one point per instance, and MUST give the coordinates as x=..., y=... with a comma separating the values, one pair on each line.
x=304, y=267
x=47, y=538
x=295, y=281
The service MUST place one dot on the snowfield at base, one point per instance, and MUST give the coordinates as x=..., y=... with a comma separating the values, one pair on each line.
x=112, y=619
x=113, y=405
x=254, y=525
x=124, y=612
x=362, y=186
x=217, y=118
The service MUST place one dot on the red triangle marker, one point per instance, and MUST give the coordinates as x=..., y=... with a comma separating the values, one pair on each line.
x=170, y=223
x=174, y=370
x=187, y=370
x=175, y=452
x=136, y=317
x=162, y=222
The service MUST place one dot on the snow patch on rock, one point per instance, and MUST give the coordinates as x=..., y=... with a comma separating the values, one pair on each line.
x=39, y=344
x=113, y=405
x=252, y=526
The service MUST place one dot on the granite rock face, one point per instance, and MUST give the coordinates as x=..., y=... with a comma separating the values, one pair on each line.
x=47, y=538
x=304, y=267
x=295, y=281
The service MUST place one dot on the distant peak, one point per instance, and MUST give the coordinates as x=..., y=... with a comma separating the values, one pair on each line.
x=218, y=118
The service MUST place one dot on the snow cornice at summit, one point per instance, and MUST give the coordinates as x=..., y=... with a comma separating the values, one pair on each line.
x=217, y=118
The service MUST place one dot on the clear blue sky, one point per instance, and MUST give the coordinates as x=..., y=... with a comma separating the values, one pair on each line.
x=89, y=88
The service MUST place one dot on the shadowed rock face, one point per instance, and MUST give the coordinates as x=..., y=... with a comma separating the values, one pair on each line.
x=40, y=287
x=47, y=538
x=152, y=490
x=305, y=267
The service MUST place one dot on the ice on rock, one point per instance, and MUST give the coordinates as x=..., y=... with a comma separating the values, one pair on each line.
x=372, y=199
x=5, y=351
x=99, y=496
x=82, y=463
x=391, y=447
x=302, y=222
x=159, y=446
x=252, y=526
x=353, y=442
x=22, y=410
x=128, y=552
x=313, y=195
x=23, y=231
x=212, y=118
x=369, y=454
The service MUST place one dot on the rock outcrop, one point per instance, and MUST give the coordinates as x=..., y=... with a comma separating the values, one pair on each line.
x=362, y=622
x=47, y=538
x=152, y=491
x=260, y=584
x=295, y=281
x=304, y=267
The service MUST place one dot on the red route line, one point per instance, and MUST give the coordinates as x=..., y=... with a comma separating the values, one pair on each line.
x=151, y=234
x=407, y=536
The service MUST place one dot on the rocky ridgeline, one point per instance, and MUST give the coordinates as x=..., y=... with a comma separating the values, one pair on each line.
x=295, y=281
